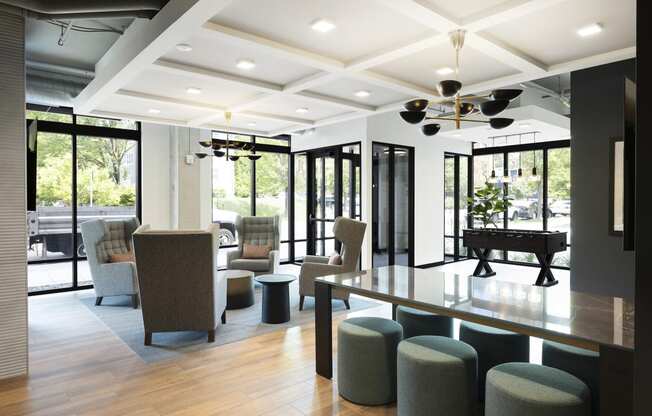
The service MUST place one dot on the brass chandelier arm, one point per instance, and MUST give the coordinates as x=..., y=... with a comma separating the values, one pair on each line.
x=454, y=119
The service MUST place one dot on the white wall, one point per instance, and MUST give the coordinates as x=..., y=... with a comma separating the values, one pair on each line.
x=13, y=256
x=156, y=172
x=175, y=194
x=429, y=179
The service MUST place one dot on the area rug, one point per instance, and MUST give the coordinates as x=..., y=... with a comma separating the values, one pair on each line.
x=127, y=323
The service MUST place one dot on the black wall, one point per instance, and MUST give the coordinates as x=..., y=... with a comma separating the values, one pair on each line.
x=598, y=262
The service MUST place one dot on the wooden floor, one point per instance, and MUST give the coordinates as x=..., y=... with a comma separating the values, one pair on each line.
x=79, y=367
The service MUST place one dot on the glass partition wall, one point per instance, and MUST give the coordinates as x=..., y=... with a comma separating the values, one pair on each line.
x=538, y=202
x=86, y=168
x=457, y=171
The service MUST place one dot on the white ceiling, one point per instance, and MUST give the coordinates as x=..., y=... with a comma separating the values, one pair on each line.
x=390, y=48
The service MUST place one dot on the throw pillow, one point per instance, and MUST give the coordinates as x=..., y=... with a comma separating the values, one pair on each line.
x=255, y=251
x=335, y=259
x=122, y=257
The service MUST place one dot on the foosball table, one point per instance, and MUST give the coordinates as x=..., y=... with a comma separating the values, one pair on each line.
x=543, y=244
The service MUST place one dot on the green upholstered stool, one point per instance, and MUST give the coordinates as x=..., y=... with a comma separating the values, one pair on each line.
x=494, y=346
x=519, y=389
x=366, y=359
x=416, y=322
x=436, y=376
x=581, y=363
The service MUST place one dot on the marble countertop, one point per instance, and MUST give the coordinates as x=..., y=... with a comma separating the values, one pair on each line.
x=556, y=313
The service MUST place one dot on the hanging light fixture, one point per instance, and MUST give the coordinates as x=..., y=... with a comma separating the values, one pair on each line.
x=520, y=170
x=493, y=161
x=229, y=147
x=498, y=100
x=535, y=176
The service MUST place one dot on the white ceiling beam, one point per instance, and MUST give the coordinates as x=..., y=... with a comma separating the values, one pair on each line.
x=334, y=101
x=143, y=43
x=505, y=12
x=293, y=54
x=422, y=12
x=323, y=122
x=178, y=68
x=149, y=119
x=504, y=53
x=310, y=81
x=237, y=130
x=151, y=98
x=404, y=87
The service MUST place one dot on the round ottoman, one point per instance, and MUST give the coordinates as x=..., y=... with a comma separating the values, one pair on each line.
x=436, y=376
x=416, y=322
x=366, y=360
x=518, y=389
x=494, y=346
x=239, y=288
x=583, y=364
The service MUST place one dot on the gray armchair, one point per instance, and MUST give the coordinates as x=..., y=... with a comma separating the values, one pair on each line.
x=101, y=240
x=350, y=233
x=259, y=231
x=180, y=289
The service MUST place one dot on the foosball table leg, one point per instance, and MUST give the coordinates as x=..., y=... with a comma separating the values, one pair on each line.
x=545, y=278
x=483, y=263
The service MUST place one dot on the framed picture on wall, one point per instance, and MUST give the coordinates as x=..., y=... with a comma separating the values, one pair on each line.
x=617, y=187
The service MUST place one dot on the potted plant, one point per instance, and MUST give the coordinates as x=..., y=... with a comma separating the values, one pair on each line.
x=487, y=204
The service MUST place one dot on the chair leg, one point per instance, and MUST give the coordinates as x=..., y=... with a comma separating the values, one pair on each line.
x=98, y=300
x=346, y=303
x=135, y=300
x=301, y=299
x=224, y=317
x=148, y=338
x=211, y=335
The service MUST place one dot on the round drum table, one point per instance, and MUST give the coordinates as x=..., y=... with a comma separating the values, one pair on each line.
x=239, y=288
x=276, y=297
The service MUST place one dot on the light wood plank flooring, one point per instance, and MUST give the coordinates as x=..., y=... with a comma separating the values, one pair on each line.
x=79, y=367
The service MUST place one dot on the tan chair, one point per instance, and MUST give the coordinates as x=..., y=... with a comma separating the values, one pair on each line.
x=350, y=233
x=180, y=289
x=256, y=231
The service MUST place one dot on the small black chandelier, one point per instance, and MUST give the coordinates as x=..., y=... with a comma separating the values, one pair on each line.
x=491, y=105
x=222, y=149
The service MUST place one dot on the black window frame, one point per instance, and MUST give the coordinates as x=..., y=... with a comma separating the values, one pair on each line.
x=505, y=151
x=74, y=130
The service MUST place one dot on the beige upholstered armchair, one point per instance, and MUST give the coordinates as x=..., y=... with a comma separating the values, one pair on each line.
x=102, y=240
x=350, y=233
x=258, y=231
x=180, y=289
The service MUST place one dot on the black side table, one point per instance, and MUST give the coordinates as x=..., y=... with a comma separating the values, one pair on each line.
x=276, y=297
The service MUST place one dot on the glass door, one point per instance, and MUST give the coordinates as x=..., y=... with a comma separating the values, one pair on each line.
x=392, y=205
x=456, y=192
x=333, y=190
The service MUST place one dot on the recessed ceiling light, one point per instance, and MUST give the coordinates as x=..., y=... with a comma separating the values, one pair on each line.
x=301, y=110
x=456, y=135
x=524, y=125
x=322, y=25
x=590, y=30
x=252, y=124
x=154, y=111
x=362, y=94
x=246, y=64
x=184, y=47
x=444, y=71
x=193, y=90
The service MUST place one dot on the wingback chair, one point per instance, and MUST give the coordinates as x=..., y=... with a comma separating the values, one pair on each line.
x=350, y=233
x=256, y=231
x=180, y=289
x=103, y=239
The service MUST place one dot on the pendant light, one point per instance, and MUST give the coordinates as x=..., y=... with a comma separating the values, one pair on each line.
x=493, y=161
x=506, y=178
x=535, y=176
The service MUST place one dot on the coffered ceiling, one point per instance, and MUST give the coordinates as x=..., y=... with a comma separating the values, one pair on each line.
x=379, y=54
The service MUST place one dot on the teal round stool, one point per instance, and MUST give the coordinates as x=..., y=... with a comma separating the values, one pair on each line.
x=519, y=389
x=436, y=376
x=581, y=363
x=416, y=322
x=366, y=359
x=494, y=346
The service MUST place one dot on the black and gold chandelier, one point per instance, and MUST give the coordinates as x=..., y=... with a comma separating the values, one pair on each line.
x=489, y=105
x=230, y=150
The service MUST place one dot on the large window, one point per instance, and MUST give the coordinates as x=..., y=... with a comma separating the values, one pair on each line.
x=539, y=202
x=78, y=178
x=246, y=187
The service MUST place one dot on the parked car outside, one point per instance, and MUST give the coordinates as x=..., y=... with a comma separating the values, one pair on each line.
x=560, y=207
